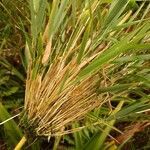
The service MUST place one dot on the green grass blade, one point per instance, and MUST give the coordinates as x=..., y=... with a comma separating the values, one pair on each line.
x=98, y=139
x=116, y=8
x=11, y=68
x=12, y=131
x=109, y=54
x=84, y=41
x=77, y=137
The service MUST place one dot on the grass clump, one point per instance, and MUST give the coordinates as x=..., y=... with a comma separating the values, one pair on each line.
x=67, y=54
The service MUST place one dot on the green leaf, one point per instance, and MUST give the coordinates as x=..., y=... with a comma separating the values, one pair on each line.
x=130, y=109
x=12, y=131
x=11, y=68
x=132, y=58
x=84, y=42
x=98, y=139
x=77, y=137
x=116, y=8
x=111, y=53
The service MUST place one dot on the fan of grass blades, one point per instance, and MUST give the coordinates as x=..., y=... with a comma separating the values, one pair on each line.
x=70, y=43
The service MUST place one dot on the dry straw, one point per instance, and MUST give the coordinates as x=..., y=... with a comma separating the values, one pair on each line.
x=57, y=99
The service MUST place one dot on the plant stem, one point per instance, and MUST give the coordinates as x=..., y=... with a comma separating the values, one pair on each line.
x=21, y=143
x=57, y=140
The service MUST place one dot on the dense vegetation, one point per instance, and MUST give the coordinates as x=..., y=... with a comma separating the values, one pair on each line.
x=74, y=74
